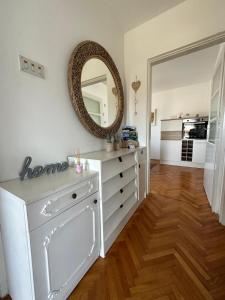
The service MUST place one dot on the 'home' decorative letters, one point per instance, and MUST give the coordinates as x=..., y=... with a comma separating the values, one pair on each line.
x=40, y=170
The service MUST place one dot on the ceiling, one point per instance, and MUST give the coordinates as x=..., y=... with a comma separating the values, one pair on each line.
x=186, y=70
x=131, y=13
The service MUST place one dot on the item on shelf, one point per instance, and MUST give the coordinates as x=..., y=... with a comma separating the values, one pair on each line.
x=116, y=143
x=78, y=165
x=109, y=144
x=129, y=136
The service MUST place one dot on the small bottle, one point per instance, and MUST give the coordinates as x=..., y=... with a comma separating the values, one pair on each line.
x=78, y=166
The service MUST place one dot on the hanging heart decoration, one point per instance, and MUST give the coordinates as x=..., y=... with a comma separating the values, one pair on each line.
x=136, y=85
x=114, y=91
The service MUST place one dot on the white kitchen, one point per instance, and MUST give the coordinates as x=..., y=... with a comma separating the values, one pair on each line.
x=181, y=106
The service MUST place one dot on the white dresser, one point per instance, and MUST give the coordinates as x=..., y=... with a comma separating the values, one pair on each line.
x=122, y=186
x=51, y=233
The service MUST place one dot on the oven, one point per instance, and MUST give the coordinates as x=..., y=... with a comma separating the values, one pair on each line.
x=195, y=128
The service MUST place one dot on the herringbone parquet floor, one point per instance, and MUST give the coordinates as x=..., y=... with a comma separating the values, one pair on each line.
x=172, y=248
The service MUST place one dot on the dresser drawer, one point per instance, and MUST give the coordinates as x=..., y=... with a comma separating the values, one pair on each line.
x=112, y=204
x=42, y=211
x=113, y=185
x=113, y=222
x=117, y=165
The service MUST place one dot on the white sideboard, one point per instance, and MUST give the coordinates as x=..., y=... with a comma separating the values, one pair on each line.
x=122, y=187
x=51, y=233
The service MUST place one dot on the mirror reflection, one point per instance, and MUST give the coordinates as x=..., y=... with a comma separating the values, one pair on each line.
x=99, y=92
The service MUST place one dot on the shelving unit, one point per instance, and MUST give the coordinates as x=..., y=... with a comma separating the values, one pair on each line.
x=187, y=150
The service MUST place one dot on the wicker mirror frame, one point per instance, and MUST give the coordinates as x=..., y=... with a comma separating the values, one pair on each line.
x=81, y=54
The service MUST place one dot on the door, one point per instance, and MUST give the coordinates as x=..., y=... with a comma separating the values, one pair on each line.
x=63, y=250
x=142, y=162
x=214, y=166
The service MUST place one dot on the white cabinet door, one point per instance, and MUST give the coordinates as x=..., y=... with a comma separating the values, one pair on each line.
x=170, y=150
x=142, y=162
x=171, y=125
x=64, y=248
x=199, y=150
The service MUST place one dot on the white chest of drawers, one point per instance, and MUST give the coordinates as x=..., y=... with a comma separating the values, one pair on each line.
x=122, y=186
x=51, y=233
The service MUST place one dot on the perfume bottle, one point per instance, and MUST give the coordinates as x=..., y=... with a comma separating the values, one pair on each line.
x=78, y=165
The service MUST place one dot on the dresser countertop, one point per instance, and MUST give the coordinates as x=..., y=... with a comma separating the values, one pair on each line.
x=105, y=156
x=31, y=190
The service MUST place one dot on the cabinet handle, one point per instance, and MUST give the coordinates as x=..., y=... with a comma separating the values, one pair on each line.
x=139, y=166
x=95, y=201
x=74, y=195
x=121, y=206
x=121, y=175
x=120, y=159
x=121, y=191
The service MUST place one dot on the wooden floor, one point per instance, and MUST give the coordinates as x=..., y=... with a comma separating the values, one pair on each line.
x=173, y=247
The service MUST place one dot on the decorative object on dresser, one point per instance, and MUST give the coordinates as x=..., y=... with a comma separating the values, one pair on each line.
x=129, y=137
x=95, y=89
x=135, y=86
x=116, y=141
x=122, y=187
x=109, y=145
x=39, y=170
x=54, y=237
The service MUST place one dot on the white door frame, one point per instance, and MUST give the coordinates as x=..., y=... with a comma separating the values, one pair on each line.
x=181, y=51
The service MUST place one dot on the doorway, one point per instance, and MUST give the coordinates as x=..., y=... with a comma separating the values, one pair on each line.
x=173, y=147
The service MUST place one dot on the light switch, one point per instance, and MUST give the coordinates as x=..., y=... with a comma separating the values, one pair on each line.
x=31, y=67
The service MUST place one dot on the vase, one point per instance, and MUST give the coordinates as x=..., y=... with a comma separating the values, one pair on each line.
x=109, y=147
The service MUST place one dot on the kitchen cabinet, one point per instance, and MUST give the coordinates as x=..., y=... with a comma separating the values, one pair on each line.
x=170, y=151
x=51, y=233
x=171, y=125
x=187, y=153
x=199, y=151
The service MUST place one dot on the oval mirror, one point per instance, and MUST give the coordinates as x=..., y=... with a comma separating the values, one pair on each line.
x=95, y=89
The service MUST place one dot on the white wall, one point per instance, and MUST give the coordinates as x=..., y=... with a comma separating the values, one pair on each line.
x=186, y=23
x=36, y=116
x=192, y=99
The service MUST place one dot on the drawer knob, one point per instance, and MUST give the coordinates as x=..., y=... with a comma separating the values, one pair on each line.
x=95, y=201
x=139, y=166
x=121, y=175
x=120, y=159
x=74, y=195
x=121, y=191
x=121, y=206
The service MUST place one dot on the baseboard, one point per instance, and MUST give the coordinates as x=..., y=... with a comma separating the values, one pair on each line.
x=188, y=164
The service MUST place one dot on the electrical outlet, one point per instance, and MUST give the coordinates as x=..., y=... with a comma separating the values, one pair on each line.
x=29, y=66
